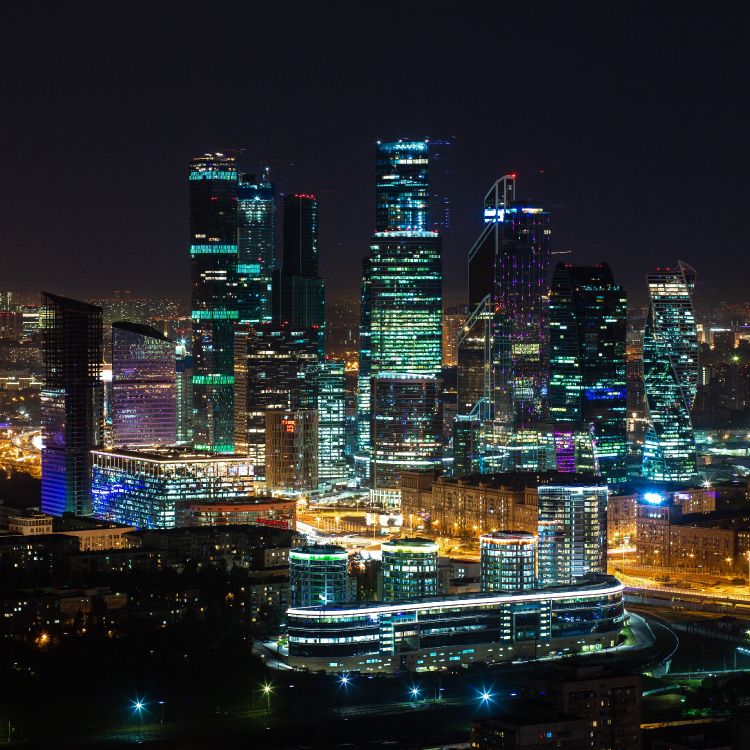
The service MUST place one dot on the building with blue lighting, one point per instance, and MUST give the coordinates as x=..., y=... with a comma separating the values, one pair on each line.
x=587, y=391
x=144, y=399
x=318, y=574
x=215, y=309
x=448, y=632
x=331, y=405
x=402, y=187
x=670, y=375
x=256, y=243
x=154, y=488
x=71, y=402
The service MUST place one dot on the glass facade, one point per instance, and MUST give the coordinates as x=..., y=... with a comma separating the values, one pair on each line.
x=670, y=375
x=507, y=561
x=184, y=393
x=292, y=449
x=410, y=569
x=318, y=575
x=331, y=401
x=256, y=240
x=215, y=310
x=588, y=394
x=152, y=489
x=144, y=403
x=572, y=539
x=440, y=633
x=402, y=187
x=71, y=402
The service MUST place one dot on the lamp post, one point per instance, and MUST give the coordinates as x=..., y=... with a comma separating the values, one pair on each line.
x=161, y=703
x=267, y=689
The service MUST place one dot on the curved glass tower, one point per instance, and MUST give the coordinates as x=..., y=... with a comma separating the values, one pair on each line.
x=670, y=374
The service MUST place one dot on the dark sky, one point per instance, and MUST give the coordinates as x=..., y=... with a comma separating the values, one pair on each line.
x=630, y=121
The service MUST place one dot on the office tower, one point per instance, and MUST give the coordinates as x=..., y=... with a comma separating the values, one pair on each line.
x=292, y=449
x=331, y=405
x=318, y=574
x=298, y=291
x=410, y=569
x=572, y=529
x=213, y=252
x=503, y=351
x=453, y=323
x=400, y=317
x=507, y=561
x=402, y=188
x=71, y=402
x=406, y=430
x=144, y=402
x=587, y=392
x=278, y=373
x=184, y=393
x=670, y=374
x=256, y=241
x=153, y=488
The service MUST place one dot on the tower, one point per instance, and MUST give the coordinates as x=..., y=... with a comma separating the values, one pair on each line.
x=291, y=453
x=213, y=252
x=318, y=575
x=587, y=392
x=410, y=569
x=71, y=402
x=507, y=561
x=670, y=374
x=331, y=405
x=144, y=403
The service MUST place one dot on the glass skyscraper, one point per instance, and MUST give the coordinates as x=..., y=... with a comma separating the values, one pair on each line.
x=256, y=238
x=670, y=374
x=213, y=252
x=331, y=404
x=144, y=403
x=318, y=574
x=291, y=449
x=588, y=398
x=71, y=402
x=410, y=569
x=401, y=319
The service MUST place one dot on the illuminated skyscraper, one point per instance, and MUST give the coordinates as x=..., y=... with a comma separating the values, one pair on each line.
x=402, y=188
x=213, y=251
x=588, y=399
x=144, y=404
x=298, y=291
x=410, y=569
x=331, y=404
x=292, y=449
x=503, y=353
x=670, y=374
x=256, y=217
x=318, y=574
x=507, y=561
x=71, y=402
x=572, y=528
x=184, y=393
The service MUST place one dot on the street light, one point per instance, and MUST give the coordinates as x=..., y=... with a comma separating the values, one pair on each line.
x=267, y=689
x=161, y=703
x=414, y=691
x=345, y=680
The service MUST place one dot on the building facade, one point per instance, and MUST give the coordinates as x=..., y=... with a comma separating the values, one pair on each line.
x=507, y=561
x=670, y=374
x=331, y=405
x=318, y=575
x=292, y=449
x=215, y=311
x=71, y=402
x=409, y=569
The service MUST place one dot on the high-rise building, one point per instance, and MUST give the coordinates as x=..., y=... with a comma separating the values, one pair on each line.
x=292, y=449
x=144, y=403
x=402, y=187
x=331, y=405
x=318, y=575
x=153, y=488
x=278, y=373
x=213, y=252
x=184, y=393
x=298, y=290
x=256, y=219
x=454, y=319
x=71, y=402
x=587, y=391
x=409, y=569
x=670, y=374
x=503, y=353
x=572, y=528
x=507, y=561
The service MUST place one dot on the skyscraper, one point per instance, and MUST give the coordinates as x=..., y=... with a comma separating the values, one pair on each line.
x=256, y=237
x=298, y=291
x=71, y=402
x=144, y=403
x=213, y=251
x=292, y=449
x=401, y=331
x=410, y=569
x=670, y=374
x=184, y=393
x=331, y=405
x=507, y=561
x=588, y=397
x=503, y=367
x=318, y=574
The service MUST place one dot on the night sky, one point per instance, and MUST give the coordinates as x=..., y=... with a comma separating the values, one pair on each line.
x=631, y=123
